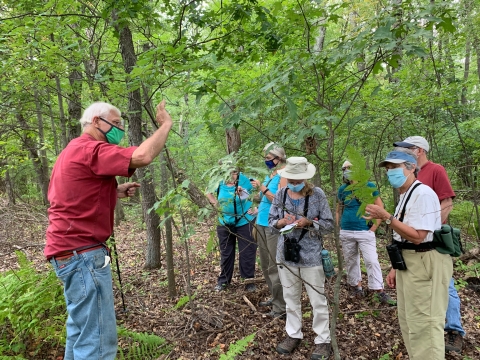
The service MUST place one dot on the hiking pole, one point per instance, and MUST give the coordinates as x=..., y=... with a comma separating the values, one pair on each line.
x=115, y=254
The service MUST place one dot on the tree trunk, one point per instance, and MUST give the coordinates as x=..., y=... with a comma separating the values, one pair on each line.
x=31, y=147
x=63, y=126
x=74, y=104
x=147, y=189
x=172, y=287
x=233, y=139
x=466, y=71
x=42, y=154
x=9, y=188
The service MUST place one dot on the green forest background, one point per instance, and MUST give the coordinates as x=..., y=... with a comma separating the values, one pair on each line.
x=314, y=76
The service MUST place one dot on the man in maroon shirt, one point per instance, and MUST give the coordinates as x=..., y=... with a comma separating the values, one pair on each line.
x=435, y=176
x=83, y=192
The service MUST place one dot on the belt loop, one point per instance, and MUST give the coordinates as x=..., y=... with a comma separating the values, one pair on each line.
x=75, y=255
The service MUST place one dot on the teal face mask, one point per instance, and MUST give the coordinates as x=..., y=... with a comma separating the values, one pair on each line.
x=114, y=135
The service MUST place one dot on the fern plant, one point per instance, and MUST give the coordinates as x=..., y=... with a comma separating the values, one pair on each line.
x=140, y=346
x=359, y=177
x=32, y=310
x=237, y=347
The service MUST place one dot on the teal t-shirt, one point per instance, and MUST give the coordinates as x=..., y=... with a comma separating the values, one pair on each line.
x=350, y=220
x=265, y=204
x=226, y=198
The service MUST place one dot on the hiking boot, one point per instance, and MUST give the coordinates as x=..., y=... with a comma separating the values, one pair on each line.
x=453, y=341
x=220, y=287
x=274, y=314
x=288, y=345
x=384, y=298
x=356, y=292
x=321, y=352
x=250, y=288
x=266, y=302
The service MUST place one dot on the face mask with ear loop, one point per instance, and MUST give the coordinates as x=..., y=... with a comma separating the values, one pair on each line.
x=114, y=135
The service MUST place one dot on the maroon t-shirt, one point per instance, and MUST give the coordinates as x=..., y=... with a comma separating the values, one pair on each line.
x=83, y=193
x=435, y=176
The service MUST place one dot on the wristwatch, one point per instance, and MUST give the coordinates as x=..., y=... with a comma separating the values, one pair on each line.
x=389, y=220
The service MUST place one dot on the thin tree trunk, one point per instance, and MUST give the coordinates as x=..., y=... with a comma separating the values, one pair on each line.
x=172, y=287
x=466, y=72
x=74, y=104
x=9, y=188
x=147, y=189
x=53, y=125
x=42, y=154
x=63, y=126
x=233, y=139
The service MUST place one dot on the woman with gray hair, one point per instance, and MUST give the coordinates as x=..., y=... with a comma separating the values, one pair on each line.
x=420, y=273
x=265, y=236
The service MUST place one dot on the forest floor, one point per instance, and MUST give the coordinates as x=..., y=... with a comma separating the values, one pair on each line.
x=365, y=329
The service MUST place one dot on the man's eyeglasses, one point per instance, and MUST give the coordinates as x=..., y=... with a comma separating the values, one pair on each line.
x=117, y=123
x=345, y=168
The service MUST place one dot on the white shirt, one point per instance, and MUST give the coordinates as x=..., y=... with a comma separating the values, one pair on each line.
x=422, y=212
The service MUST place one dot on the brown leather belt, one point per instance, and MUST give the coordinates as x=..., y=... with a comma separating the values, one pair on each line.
x=68, y=254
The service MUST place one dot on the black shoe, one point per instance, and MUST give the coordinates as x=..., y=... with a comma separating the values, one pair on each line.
x=250, y=287
x=321, y=352
x=220, y=287
x=384, y=298
x=266, y=302
x=274, y=314
x=453, y=341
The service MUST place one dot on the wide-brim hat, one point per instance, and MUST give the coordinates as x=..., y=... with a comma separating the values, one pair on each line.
x=297, y=168
x=397, y=157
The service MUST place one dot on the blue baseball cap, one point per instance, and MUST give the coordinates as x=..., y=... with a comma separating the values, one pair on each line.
x=397, y=157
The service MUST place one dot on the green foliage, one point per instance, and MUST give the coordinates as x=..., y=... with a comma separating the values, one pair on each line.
x=32, y=309
x=359, y=177
x=462, y=216
x=140, y=346
x=237, y=347
x=182, y=301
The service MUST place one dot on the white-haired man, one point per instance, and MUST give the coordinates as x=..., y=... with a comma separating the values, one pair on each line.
x=435, y=176
x=83, y=192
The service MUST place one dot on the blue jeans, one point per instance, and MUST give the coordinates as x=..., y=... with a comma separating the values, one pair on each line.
x=454, y=322
x=91, y=323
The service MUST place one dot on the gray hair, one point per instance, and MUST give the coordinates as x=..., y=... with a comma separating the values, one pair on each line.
x=409, y=165
x=100, y=109
x=276, y=150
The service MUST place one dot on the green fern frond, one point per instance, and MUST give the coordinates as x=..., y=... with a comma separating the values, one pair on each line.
x=238, y=347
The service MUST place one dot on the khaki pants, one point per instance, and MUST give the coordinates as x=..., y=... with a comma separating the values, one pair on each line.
x=422, y=299
x=267, y=244
x=292, y=279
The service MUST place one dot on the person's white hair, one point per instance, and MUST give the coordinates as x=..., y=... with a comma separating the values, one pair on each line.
x=100, y=109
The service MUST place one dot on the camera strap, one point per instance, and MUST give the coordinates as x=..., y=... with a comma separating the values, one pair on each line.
x=402, y=214
x=305, y=211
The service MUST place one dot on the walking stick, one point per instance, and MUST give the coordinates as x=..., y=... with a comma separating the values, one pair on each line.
x=115, y=254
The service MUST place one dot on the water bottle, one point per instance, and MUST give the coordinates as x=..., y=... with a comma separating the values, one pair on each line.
x=327, y=264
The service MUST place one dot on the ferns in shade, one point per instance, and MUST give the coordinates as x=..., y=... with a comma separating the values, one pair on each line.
x=238, y=347
x=359, y=179
x=140, y=346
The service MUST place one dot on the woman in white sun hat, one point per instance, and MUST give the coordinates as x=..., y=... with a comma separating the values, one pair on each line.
x=299, y=253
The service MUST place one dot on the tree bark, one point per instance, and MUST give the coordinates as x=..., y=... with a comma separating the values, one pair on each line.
x=466, y=71
x=42, y=154
x=9, y=188
x=233, y=139
x=74, y=104
x=147, y=189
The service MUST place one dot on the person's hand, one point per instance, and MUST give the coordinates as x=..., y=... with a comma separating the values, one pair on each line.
x=127, y=189
x=289, y=219
x=163, y=117
x=255, y=183
x=304, y=222
x=375, y=212
x=391, y=279
x=253, y=211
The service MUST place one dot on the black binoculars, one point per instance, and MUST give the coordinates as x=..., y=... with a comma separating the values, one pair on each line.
x=291, y=250
x=396, y=257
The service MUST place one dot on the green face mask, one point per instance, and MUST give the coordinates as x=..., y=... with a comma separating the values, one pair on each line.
x=114, y=135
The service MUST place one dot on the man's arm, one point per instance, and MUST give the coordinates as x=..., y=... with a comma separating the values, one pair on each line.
x=151, y=147
x=446, y=205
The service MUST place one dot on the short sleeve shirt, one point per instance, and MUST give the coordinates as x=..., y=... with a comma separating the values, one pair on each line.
x=264, y=206
x=435, y=176
x=350, y=220
x=234, y=214
x=83, y=193
x=422, y=211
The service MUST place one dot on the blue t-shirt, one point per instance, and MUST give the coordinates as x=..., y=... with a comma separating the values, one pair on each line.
x=226, y=196
x=350, y=220
x=265, y=204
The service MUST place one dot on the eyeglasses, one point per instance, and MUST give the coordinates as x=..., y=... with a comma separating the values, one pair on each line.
x=117, y=123
x=345, y=168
